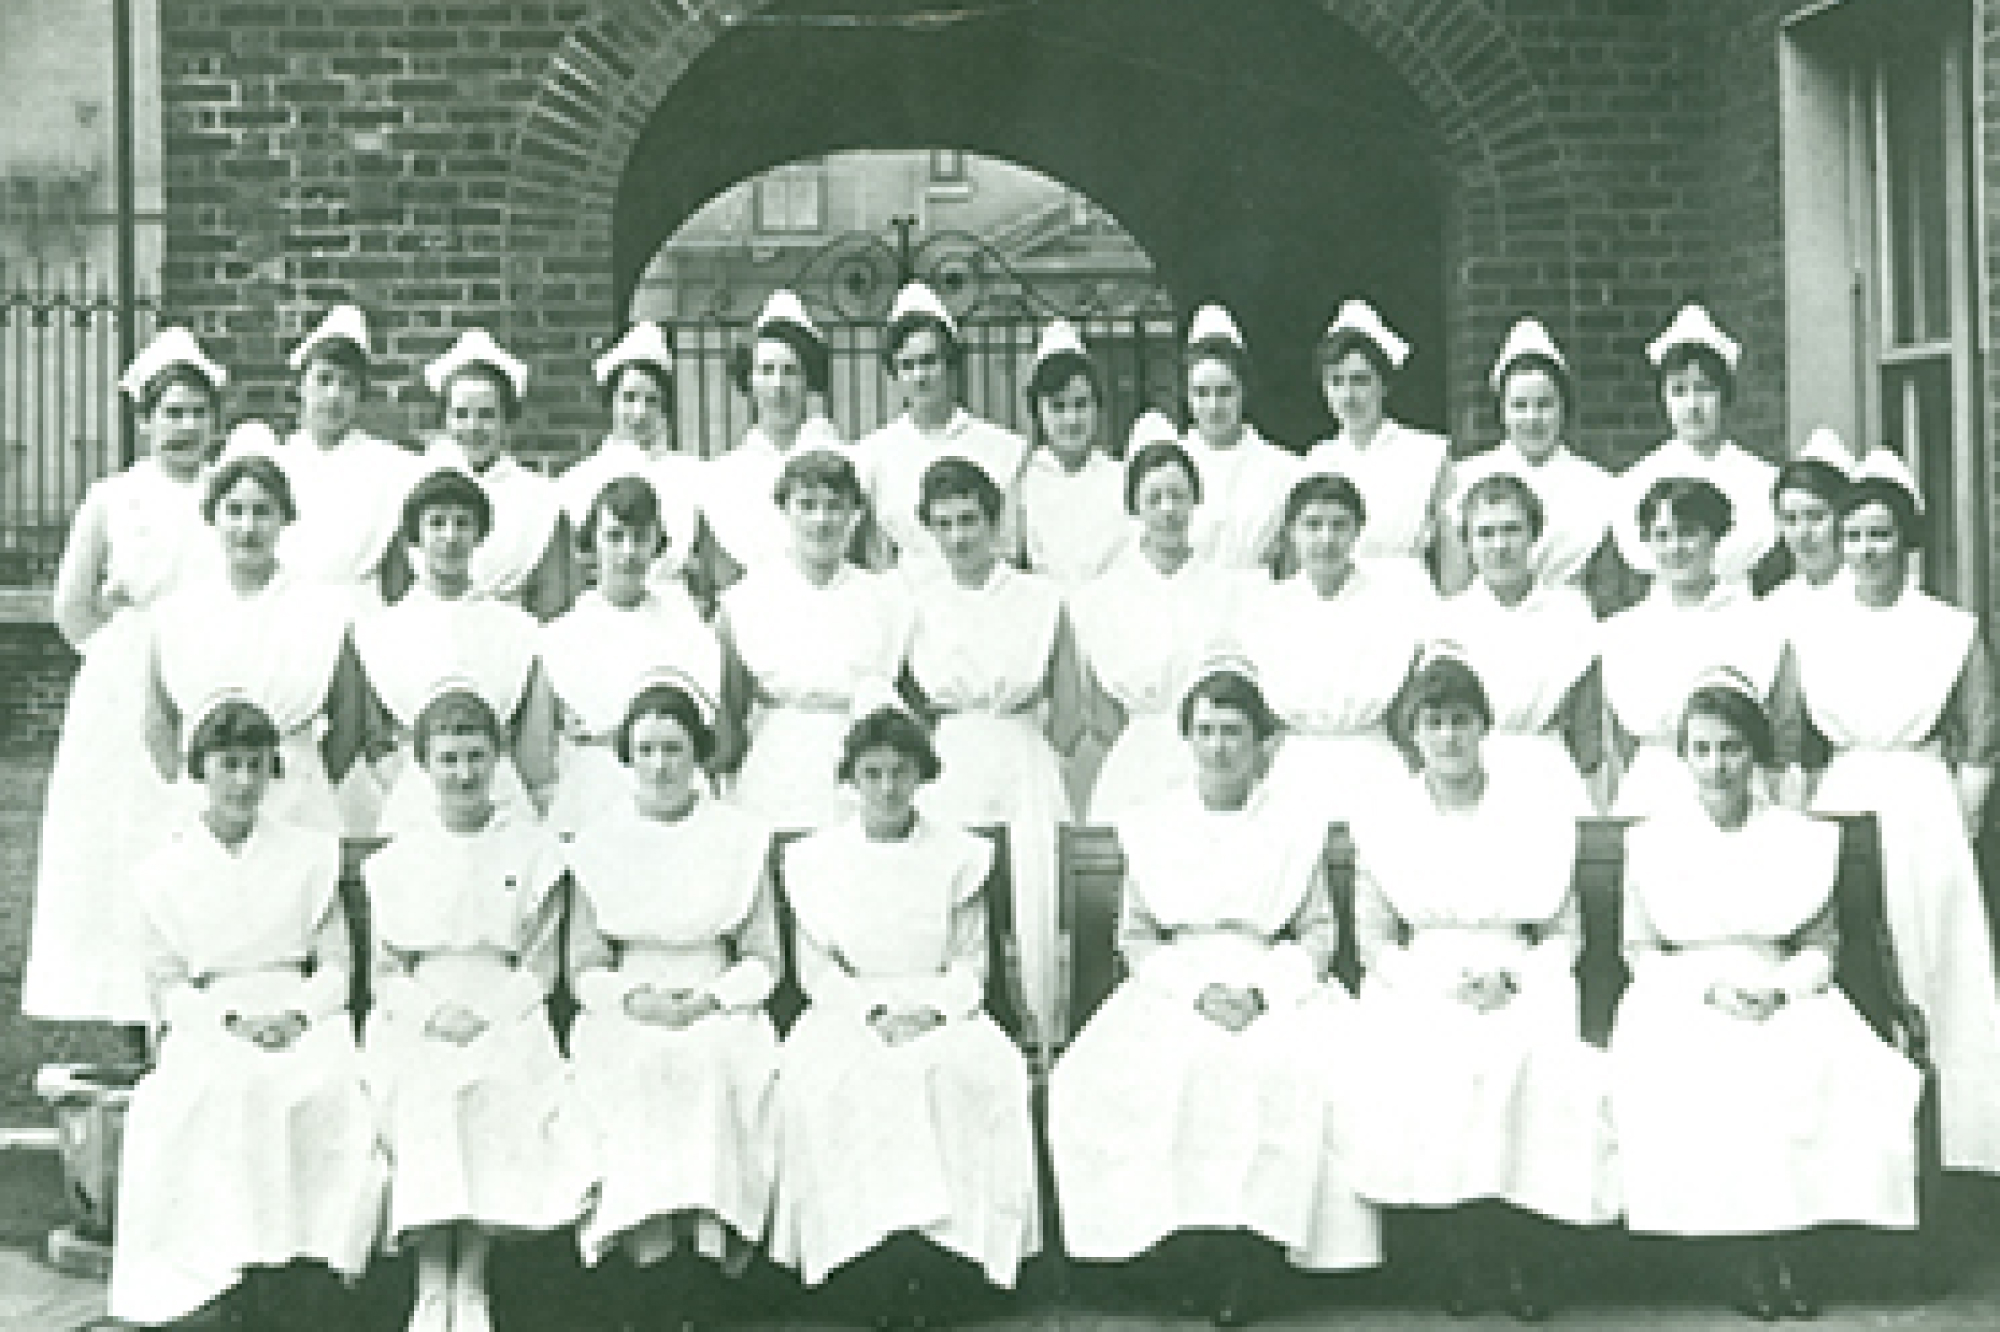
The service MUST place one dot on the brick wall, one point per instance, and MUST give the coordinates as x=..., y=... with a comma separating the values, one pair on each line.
x=35, y=666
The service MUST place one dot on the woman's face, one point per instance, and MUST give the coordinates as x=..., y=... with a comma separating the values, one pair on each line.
x=1165, y=500
x=1215, y=400
x=1694, y=404
x=181, y=428
x=921, y=372
x=1499, y=539
x=1684, y=551
x=1354, y=391
x=1811, y=531
x=638, y=408
x=461, y=768
x=1531, y=411
x=1446, y=736
x=1873, y=549
x=329, y=397
x=248, y=518
x=236, y=780
x=1069, y=418
x=964, y=535
x=821, y=520
x=663, y=759
x=1719, y=757
x=625, y=553
x=886, y=779
x=1225, y=745
x=1322, y=538
x=475, y=415
x=778, y=384
x=446, y=537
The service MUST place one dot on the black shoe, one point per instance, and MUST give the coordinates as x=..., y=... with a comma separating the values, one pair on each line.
x=1467, y=1294
x=1794, y=1301
x=1523, y=1297
x=1757, y=1296
x=1232, y=1303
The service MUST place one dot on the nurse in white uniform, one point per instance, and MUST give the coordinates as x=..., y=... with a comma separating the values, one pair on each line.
x=924, y=353
x=1073, y=521
x=1696, y=364
x=1244, y=477
x=525, y=557
x=1806, y=497
x=1404, y=474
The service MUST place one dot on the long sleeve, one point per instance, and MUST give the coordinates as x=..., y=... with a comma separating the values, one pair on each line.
x=397, y=991
x=1644, y=948
x=1139, y=933
x=592, y=959
x=78, y=602
x=739, y=693
x=824, y=976
x=178, y=999
x=1809, y=968
x=1313, y=928
x=754, y=974
x=958, y=990
x=329, y=960
x=1103, y=714
x=1379, y=931
x=162, y=725
x=1558, y=941
x=539, y=961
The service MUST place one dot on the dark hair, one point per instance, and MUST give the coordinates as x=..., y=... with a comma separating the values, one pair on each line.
x=1682, y=355
x=1441, y=682
x=453, y=712
x=1324, y=488
x=1690, y=500
x=958, y=478
x=1333, y=349
x=1557, y=372
x=1217, y=349
x=889, y=728
x=630, y=499
x=663, y=381
x=234, y=723
x=1740, y=712
x=1151, y=458
x=447, y=485
x=1814, y=477
x=1053, y=375
x=1893, y=496
x=180, y=372
x=809, y=350
x=1231, y=689
x=1504, y=488
x=510, y=403
x=258, y=467
x=345, y=353
x=907, y=326
x=675, y=704
x=820, y=468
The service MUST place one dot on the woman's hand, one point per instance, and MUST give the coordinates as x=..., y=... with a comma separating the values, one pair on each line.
x=674, y=1009
x=275, y=1033
x=1747, y=1004
x=1228, y=1006
x=900, y=1026
x=1487, y=991
x=455, y=1023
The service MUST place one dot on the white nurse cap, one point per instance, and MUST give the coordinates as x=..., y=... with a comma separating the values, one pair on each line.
x=643, y=343
x=1888, y=465
x=674, y=678
x=918, y=299
x=1152, y=427
x=476, y=346
x=1824, y=445
x=1694, y=326
x=1212, y=323
x=1527, y=338
x=248, y=437
x=1219, y=659
x=171, y=346
x=784, y=307
x=1358, y=316
x=1059, y=337
x=343, y=323
x=1729, y=678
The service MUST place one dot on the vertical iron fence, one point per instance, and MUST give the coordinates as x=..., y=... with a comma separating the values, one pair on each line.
x=61, y=420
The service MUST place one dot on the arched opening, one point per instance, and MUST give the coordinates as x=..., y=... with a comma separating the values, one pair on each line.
x=1275, y=162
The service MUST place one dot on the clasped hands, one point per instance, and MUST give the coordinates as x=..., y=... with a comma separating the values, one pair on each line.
x=677, y=1009
x=1486, y=991
x=1231, y=1007
x=272, y=1031
x=900, y=1026
x=1750, y=1003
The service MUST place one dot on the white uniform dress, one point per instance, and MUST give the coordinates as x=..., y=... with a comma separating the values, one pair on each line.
x=1531, y=658
x=932, y=1136
x=1073, y=524
x=1330, y=668
x=418, y=644
x=1652, y=655
x=594, y=655
x=235, y=1156
x=279, y=646
x=83, y=957
x=983, y=658
x=1461, y=1105
x=1243, y=490
x=1744, y=477
x=1396, y=474
x=527, y=517
x=1882, y=686
x=1161, y=1120
x=1142, y=634
x=676, y=478
x=809, y=650
x=1730, y=1126
x=350, y=502
x=485, y=1132
x=682, y=1120
x=893, y=459
x=1578, y=501
x=739, y=492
